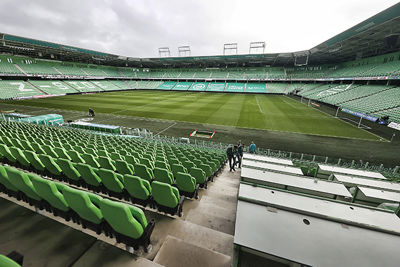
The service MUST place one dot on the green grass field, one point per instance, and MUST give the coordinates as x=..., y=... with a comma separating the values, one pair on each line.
x=271, y=112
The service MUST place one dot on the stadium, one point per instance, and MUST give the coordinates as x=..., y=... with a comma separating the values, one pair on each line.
x=144, y=178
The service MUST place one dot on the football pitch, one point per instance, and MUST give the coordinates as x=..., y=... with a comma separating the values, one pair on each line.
x=254, y=111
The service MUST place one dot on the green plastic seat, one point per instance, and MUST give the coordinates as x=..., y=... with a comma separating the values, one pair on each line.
x=85, y=204
x=16, y=143
x=123, y=167
x=165, y=194
x=175, y=168
x=207, y=169
x=50, y=164
x=5, y=181
x=106, y=163
x=111, y=180
x=188, y=165
x=38, y=148
x=131, y=159
x=114, y=156
x=21, y=181
x=19, y=155
x=75, y=156
x=68, y=169
x=26, y=145
x=163, y=175
x=33, y=158
x=102, y=153
x=7, y=262
x=186, y=183
x=147, y=162
x=124, y=219
x=138, y=188
x=5, y=151
x=199, y=175
x=90, y=159
x=50, y=191
x=88, y=174
x=162, y=165
x=50, y=151
x=62, y=153
x=143, y=172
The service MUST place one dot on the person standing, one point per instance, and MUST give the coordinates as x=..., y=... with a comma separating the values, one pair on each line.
x=230, y=153
x=240, y=155
x=252, y=148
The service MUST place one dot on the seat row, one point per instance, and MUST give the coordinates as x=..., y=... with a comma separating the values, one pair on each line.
x=141, y=191
x=126, y=223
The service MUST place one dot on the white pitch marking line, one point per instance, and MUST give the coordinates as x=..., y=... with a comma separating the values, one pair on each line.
x=166, y=128
x=259, y=107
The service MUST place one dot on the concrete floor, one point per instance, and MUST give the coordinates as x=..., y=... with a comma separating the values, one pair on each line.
x=206, y=228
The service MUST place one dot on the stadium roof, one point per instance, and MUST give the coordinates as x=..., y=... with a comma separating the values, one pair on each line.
x=374, y=36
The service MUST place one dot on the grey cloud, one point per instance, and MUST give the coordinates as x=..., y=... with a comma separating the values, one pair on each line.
x=138, y=27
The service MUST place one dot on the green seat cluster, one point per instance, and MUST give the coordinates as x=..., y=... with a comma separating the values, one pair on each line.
x=125, y=221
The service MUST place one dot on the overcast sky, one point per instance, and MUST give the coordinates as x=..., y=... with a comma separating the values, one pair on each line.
x=137, y=28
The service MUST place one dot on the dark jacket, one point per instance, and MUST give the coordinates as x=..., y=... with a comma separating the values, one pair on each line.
x=229, y=152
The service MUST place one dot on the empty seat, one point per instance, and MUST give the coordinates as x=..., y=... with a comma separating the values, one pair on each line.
x=89, y=175
x=123, y=167
x=86, y=206
x=17, y=153
x=131, y=159
x=147, y=162
x=139, y=189
x=21, y=181
x=207, y=169
x=50, y=191
x=7, y=262
x=188, y=165
x=75, y=156
x=178, y=168
x=199, y=175
x=143, y=172
x=114, y=182
x=106, y=163
x=62, y=153
x=162, y=165
x=163, y=175
x=50, y=165
x=90, y=159
x=187, y=184
x=8, y=187
x=34, y=160
x=5, y=151
x=128, y=222
x=167, y=198
x=50, y=151
x=69, y=170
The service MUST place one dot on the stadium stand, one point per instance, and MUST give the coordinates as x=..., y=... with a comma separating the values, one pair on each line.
x=198, y=87
x=83, y=86
x=53, y=87
x=56, y=152
x=216, y=87
x=235, y=87
x=17, y=89
x=276, y=88
x=182, y=86
x=166, y=86
x=256, y=88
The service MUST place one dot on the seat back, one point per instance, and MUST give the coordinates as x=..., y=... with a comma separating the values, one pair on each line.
x=137, y=187
x=7, y=262
x=50, y=192
x=88, y=174
x=5, y=151
x=106, y=163
x=17, y=153
x=68, y=169
x=123, y=167
x=89, y=159
x=163, y=175
x=21, y=181
x=185, y=182
x=4, y=180
x=124, y=219
x=86, y=205
x=198, y=174
x=33, y=158
x=143, y=172
x=50, y=164
x=177, y=168
x=75, y=156
x=165, y=195
x=111, y=180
